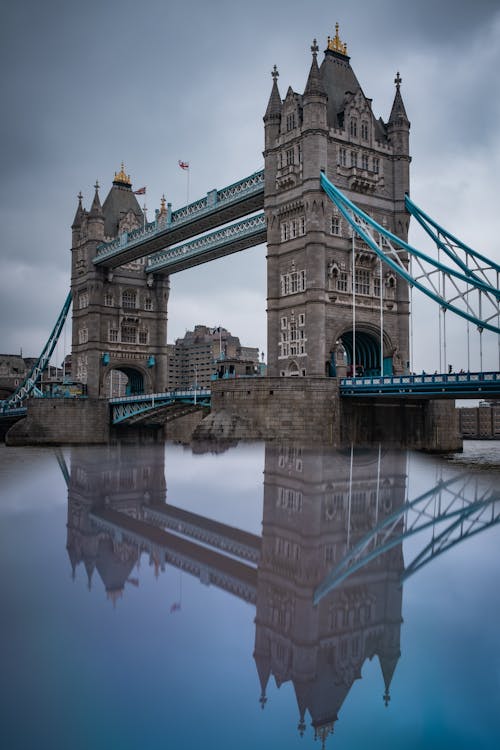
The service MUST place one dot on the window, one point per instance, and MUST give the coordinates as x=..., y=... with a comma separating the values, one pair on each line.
x=342, y=157
x=302, y=225
x=289, y=157
x=83, y=299
x=364, y=130
x=362, y=281
x=108, y=299
x=364, y=161
x=129, y=299
x=113, y=335
x=342, y=280
x=290, y=121
x=354, y=127
x=354, y=158
x=292, y=282
x=335, y=227
x=294, y=228
x=143, y=336
x=376, y=286
x=83, y=336
x=148, y=303
x=283, y=322
x=375, y=165
x=129, y=334
x=299, y=152
x=302, y=319
x=284, y=231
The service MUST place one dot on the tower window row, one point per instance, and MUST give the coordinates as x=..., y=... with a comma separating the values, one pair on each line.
x=293, y=228
x=292, y=336
x=129, y=300
x=293, y=282
x=290, y=156
x=364, y=128
x=366, y=281
x=128, y=334
x=353, y=158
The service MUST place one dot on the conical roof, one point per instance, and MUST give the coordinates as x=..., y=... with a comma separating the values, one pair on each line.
x=119, y=201
x=314, y=85
x=274, y=103
x=77, y=221
x=398, y=108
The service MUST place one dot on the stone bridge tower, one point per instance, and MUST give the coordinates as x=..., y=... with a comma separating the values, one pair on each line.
x=119, y=316
x=312, y=257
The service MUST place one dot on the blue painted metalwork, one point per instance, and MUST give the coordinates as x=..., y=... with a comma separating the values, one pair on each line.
x=457, y=503
x=465, y=384
x=255, y=226
x=354, y=216
x=131, y=406
x=425, y=220
x=28, y=386
x=250, y=186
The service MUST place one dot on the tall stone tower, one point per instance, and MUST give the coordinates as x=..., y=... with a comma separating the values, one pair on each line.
x=315, y=266
x=119, y=316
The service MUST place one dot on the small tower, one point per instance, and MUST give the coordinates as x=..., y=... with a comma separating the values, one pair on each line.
x=119, y=317
x=314, y=264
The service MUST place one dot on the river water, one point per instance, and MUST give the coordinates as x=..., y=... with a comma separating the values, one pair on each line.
x=249, y=595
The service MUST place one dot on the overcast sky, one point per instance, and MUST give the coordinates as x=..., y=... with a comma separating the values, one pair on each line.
x=86, y=85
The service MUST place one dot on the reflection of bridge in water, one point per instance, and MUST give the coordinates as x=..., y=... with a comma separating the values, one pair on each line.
x=325, y=576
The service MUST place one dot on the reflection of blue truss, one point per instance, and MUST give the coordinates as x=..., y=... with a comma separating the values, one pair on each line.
x=454, y=510
x=470, y=292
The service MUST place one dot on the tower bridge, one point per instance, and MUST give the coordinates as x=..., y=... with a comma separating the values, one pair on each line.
x=340, y=273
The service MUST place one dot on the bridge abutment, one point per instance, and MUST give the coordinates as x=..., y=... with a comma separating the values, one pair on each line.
x=311, y=410
x=62, y=421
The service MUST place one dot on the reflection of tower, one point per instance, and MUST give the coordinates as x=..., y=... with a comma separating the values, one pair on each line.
x=118, y=478
x=316, y=503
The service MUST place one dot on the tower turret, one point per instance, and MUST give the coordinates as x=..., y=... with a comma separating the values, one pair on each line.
x=398, y=132
x=95, y=222
x=77, y=221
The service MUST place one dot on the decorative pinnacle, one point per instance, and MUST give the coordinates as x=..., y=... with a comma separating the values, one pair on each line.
x=314, y=48
x=274, y=73
x=398, y=80
x=80, y=196
x=96, y=185
x=335, y=44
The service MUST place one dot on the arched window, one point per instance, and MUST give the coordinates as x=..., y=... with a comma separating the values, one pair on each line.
x=354, y=127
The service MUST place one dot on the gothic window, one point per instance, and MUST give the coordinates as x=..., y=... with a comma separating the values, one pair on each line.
x=129, y=334
x=342, y=281
x=113, y=335
x=335, y=226
x=294, y=228
x=283, y=323
x=148, y=303
x=342, y=157
x=108, y=299
x=83, y=299
x=83, y=336
x=364, y=161
x=362, y=281
x=376, y=286
x=354, y=127
x=81, y=368
x=302, y=319
x=284, y=231
x=364, y=130
x=375, y=165
x=129, y=299
x=302, y=225
x=299, y=152
x=289, y=157
x=292, y=282
x=143, y=336
x=354, y=158
x=290, y=121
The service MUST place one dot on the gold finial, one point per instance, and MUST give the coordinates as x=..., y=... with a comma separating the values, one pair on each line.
x=122, y=177
x=163, y=210
x=335, y=44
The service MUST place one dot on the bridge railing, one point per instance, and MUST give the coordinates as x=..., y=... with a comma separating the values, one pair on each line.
x=139, y=398
x=214, y=200
x=457, y=382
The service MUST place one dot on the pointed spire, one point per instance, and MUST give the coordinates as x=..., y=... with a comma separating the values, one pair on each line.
x=77, y=221
x=96, y=208
x=314, y=85
x=398, y=108
x=274, y=104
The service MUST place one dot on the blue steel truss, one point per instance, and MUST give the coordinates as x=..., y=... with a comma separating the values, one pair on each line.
x=124, y=408
x=464, y=294
x=214, y=201
x=453, y=510
x=28, y=386
x=467, y=384
x=246, y=232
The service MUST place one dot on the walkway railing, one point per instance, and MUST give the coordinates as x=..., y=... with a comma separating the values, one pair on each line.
x=456, y=385
x=215, y=200
x=125, y=407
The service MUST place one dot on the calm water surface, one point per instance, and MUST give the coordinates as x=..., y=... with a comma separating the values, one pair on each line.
x=260, y=596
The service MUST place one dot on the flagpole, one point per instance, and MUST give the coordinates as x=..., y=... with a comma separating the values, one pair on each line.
x=187, y=200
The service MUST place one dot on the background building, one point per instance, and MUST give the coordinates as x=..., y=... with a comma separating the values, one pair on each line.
x=200, y=354
x=481, y=421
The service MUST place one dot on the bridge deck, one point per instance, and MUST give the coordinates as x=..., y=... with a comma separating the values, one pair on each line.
x=452, y=386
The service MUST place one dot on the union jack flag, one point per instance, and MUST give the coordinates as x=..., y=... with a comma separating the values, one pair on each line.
x=141, y=191
x=183, y=164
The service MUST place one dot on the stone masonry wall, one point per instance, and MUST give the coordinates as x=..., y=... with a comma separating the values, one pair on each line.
x=62, y=421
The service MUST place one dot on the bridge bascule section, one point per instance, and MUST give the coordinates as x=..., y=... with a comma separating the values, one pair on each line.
x=332, y=204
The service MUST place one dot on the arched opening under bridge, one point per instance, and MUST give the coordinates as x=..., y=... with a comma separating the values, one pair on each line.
x=123, y=381
x=367, y=348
